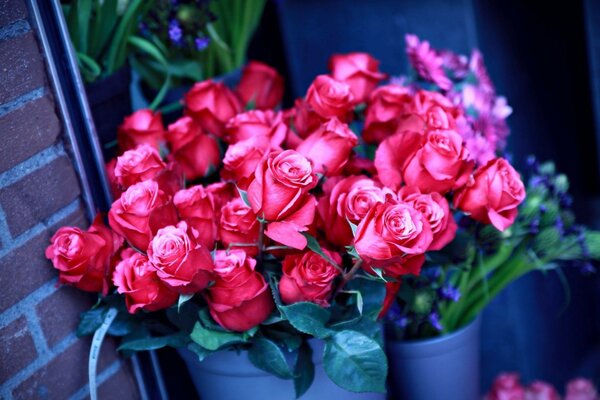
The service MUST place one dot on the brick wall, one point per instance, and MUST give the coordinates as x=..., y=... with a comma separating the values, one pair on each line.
x=40, y=356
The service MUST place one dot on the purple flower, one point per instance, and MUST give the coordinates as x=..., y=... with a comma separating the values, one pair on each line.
x=434, y=320
x=450, y=292
x=426, y=62
x=175, y=32
x=201, y=43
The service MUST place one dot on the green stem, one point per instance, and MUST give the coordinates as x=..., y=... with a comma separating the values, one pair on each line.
x=347, y=277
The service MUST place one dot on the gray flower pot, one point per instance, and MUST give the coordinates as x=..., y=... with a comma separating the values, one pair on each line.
x=446, y=367
x=227, y=375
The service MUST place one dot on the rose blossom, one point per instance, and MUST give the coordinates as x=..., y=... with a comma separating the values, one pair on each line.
x=211, y=105
x=141, y=127
x=428, y=110
x=539, y=390
x=242, y=158
x=437, y=211
x=196, y=152
x=136, y=279
x=83, y=258
x=256, y=123
x=581, y=389
x=426, y=62
x=180, y=260
x=384, y=111
x=329, y=147
x=279, y=194
x=344, y=200
x=359, y=70
x=260, y=85
x=329, y=98
x=222, y=193
x=493, y=194
x=240, y=298
x=195, y=206
x=239, y=224
x=391, y=290
x=506, y=386
x=306, y=121
x=136, y=165
x=140, y=211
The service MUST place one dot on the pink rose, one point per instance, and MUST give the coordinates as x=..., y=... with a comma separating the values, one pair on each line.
x=239, y=224
x=136, y=279
x=428, y=111
x=84, y=259
x=195, y=206
x=222, y=193
x=384, y=111
x=437, y=211
x=581, y=389
x=136, y=165
x=306, y=121
x=254, y=124
x=197, y=153
x=211, y=105
x=240, y=298
x=329, y=147
x=242, y=158
x=359, y=70
x=539, y=390
x=330, y=98
x=279, y=194
x=308, y=277
x=141, y=211
x=141, y=127
x=493, y=194
x=506, y=386
x=260, y=85
x=181, y=262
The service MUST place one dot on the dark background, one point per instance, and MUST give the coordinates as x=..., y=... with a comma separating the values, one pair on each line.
x=546, y=61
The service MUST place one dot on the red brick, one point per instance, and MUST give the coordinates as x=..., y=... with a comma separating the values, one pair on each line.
x=27, y=130
x=21, y=67
x=39, y=195
x=16, y=348
x=27, y=264
x=11, y=11
x=119, y=386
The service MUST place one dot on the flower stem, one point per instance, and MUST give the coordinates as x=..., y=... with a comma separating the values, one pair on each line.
x=347, y=277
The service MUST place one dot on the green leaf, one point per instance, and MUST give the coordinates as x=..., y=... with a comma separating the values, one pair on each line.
x=214, y=340
x=183, y=298
x=123, y=325
x=102, y=27
x=216, y=38
x=355, y=362
x=353, y=226
x=372, y=294
x=83, y=20
x=266, y=355
x=200, y=351
x=152, y=343
x=314, y=245
x=90, y=320
x=304, y=370
x=184, y=317
x=243, y=195
x=308, y=318
x=359, y=299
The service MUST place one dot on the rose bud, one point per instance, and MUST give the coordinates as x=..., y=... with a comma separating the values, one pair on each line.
x=260, y=85
x=306, y=120
x=391, y=290
x=279, y=194
x=181, y=261
x=435, y=208
x=347, y=200
x=493, y=194
x=141, y=211
x=330, y=98
x=389, y=232
x=211, y=104
x=197, y=153
x=141, y=127
x=539, y=390
x=506, y=386
x=359, y=70
x=240, y=298
x=242, y=158
x=239, y=224
x=136, y=279
x=136, y=165
x=83, y=258
x=308, y=277
x=581, y=389
x=254, y=124
x=384, y=111
x=195, y=206
x=329, y=147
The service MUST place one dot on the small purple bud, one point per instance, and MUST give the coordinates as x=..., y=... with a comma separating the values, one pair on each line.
x=449, y=292
x=559, y=225
x=175, y=32
x=543, y=209
x=201, y=43
x=434, y=320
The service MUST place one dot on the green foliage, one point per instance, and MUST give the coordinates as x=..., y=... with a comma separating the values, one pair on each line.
x=304, y=370
x=266, y=355
x=176, y=340
x=307, y=318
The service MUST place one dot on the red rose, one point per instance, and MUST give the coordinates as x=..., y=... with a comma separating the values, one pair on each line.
x=240, y=299
x=242, y=158
x=389, y=232
x=136, y=165
x=84, y=259
x=260, y=85
x=222, y=193
x=435, y=162
x=329, y=98
x=428, y=111
x=279, y=194
x=359, y=70
x=581, y=389
x=256, y=123
x=308, y=277
x=539, y=390
x=347, y=199
x=141, y=127
x=384, y=111
x=195, y=206
x=391, y=290
x=506, y=386
x=493, y=194
x=171, y=178
x=436, y=210
x=211, y=104
x=196, y=152
x=239, y=224
x=329, y=147
x=140, y=211
x=358, y=165
x=306, y=121
x=136, y=279
x=181, y=262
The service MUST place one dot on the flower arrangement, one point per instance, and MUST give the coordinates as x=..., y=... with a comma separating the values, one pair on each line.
x=508, y=386
x=312, y=220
